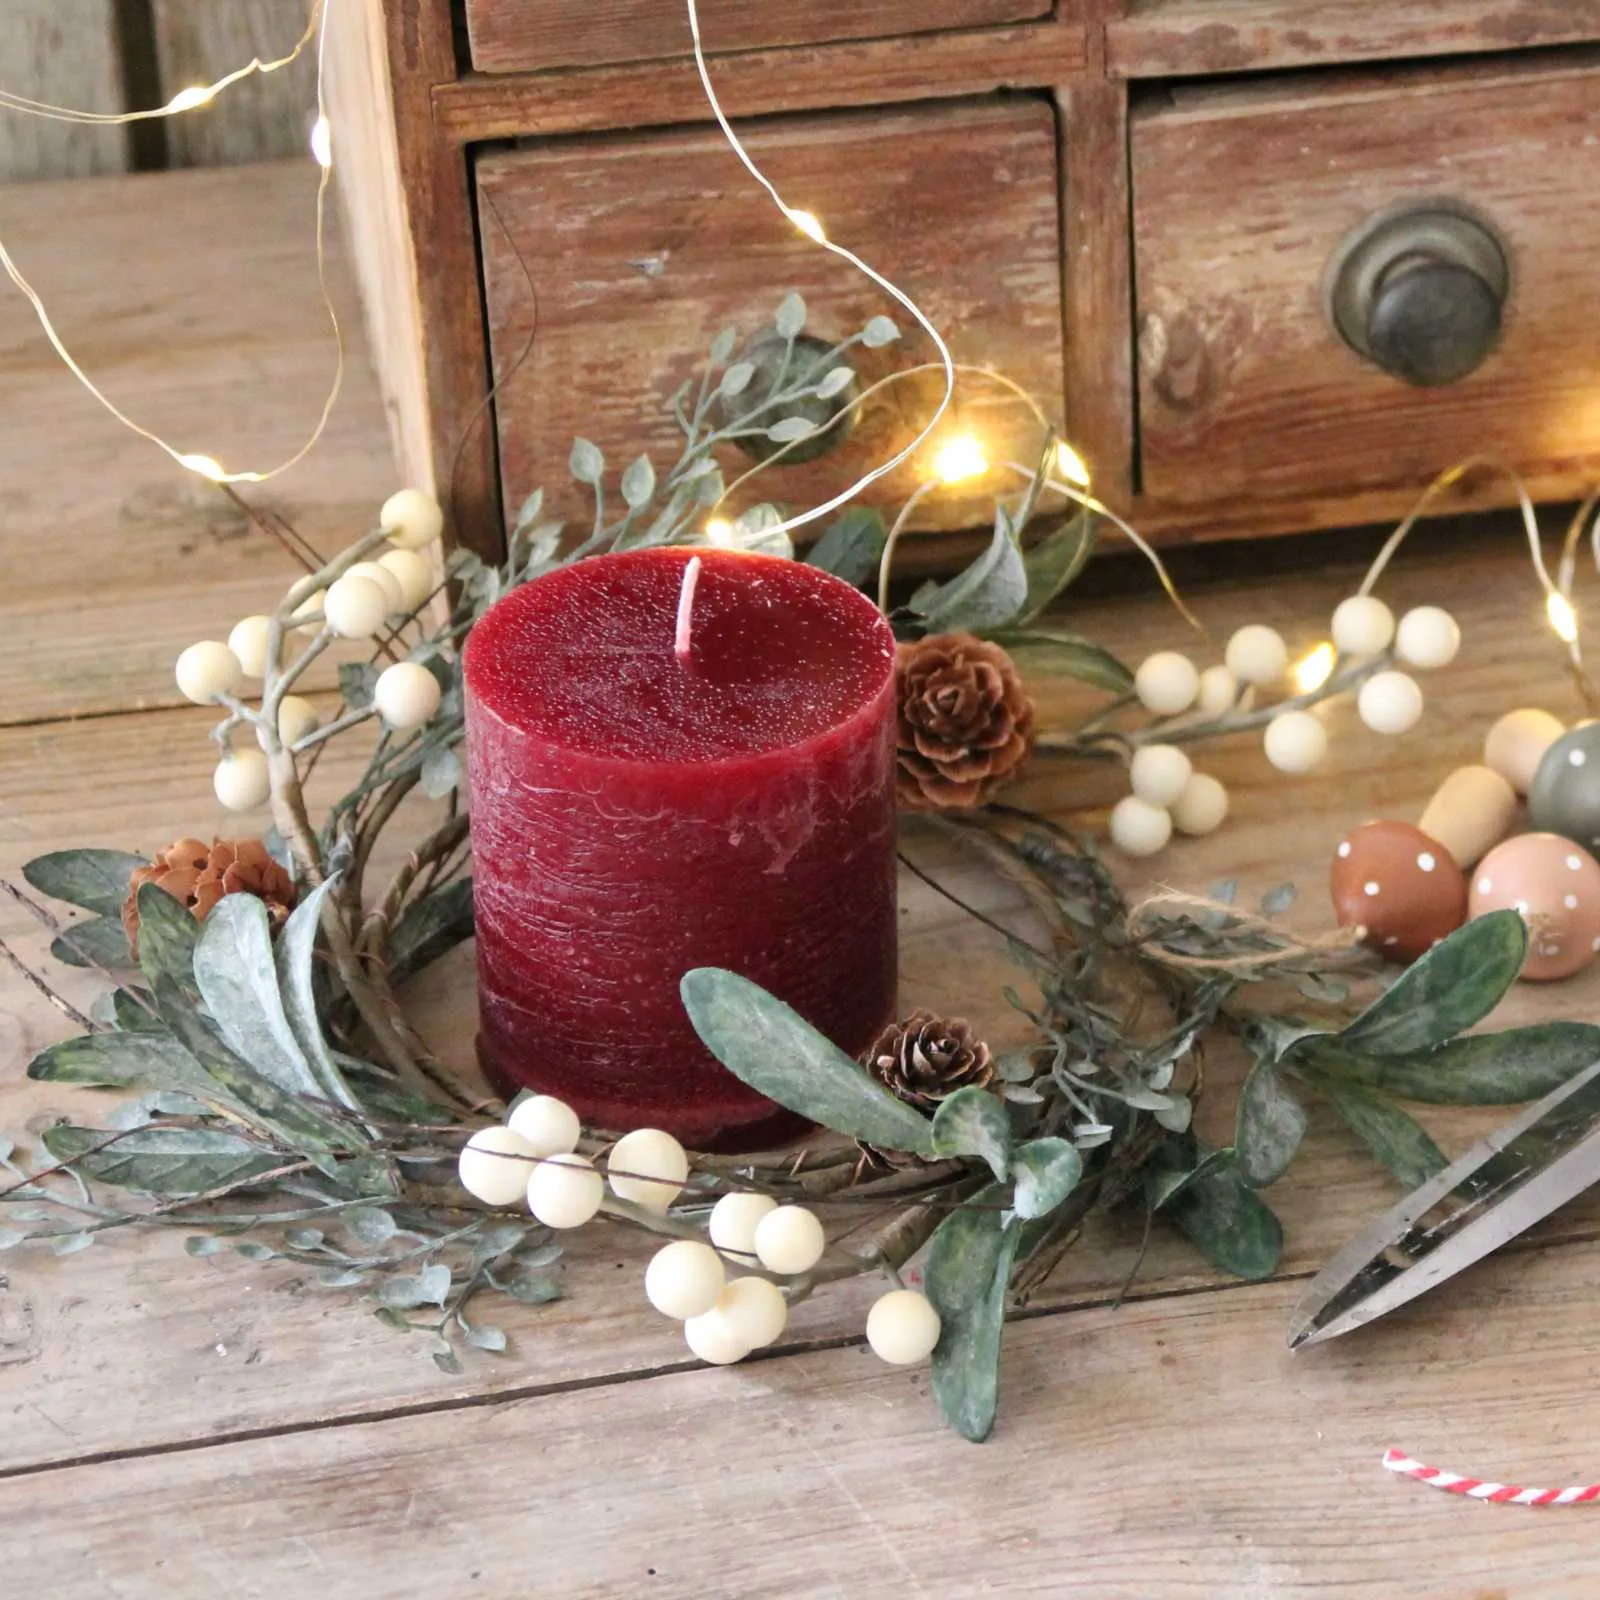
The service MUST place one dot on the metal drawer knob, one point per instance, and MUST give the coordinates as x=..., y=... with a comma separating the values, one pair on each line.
x=1420, y=293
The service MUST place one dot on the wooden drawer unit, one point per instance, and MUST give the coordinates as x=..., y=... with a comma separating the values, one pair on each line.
x=1131, y=206
x=1256, y=213
x=623, y=257
x=526, y=35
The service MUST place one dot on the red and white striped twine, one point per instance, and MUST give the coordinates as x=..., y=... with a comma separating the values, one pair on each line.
x=1477, y=1489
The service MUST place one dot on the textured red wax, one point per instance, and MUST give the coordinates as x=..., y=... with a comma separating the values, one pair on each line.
x=635, y=815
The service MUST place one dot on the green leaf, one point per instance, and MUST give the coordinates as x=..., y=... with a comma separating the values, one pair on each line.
x=1071, y=656
x=1392, y=1135
x=296, y=973
x=238, y=980
x=120, y=1061
x=441, y=772
x=429, y=928
x=878, y=332
x=586, y=463
x=1485, y=1069
x=836, y=382
x=986, y=595
x=1229, y=1222
x=1055, y=561
x=358, y=682
x=969, y=1268
x=787, y=430
x=167, y=937
x=133, y=1017
x=1269, y=1125
x=971, y=1122
x=722, y=345
x=486, y=1338
x=95, y=880
x=1456, y=984
x=97, y=942
x=166, y=1161
x=791, y=318
x=638, y=483
x=737, y=379
x=403, y=1292
x=768, y=1046
x=1046, y=1172
x=852, y=548
x=533, y=1288
x=369, y=1225
x=435, y=1282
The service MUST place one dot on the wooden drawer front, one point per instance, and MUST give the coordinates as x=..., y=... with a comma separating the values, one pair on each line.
x=634, y=252
x=529, y=35
x=1242, y=197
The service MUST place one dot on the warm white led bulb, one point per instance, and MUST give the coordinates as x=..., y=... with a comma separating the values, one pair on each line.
x=1311, y=671
x=806, y=223
x=1071, y=465
x=197, y=94
x=322, y=142
x=959, y=459
x=206, y=466
x=1562, y=617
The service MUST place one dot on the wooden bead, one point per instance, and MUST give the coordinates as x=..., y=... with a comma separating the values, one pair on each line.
x=1564, y=796
x=1516, y=744
x=1401, y=888
x=1556, y=887
x=1470, y=813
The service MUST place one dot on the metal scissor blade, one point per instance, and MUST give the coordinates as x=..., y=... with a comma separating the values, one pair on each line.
x=1520, y=1173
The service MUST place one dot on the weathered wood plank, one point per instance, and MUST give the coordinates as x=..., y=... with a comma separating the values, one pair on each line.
x=63, y=52
x=516, y=36
x=210, y=331
x=1158, y=38
x=1160, y=1452
x=257, y=119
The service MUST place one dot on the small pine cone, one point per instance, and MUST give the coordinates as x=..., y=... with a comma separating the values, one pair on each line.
x=921, y=1061
x=199, y=875
x=965, y=722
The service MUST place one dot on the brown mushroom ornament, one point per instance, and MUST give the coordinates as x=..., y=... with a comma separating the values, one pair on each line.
x=1402, y=889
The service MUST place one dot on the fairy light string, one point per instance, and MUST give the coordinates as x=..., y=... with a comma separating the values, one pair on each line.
x=190, y=99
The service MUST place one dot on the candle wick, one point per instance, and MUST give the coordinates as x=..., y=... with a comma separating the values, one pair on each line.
x=691, y=578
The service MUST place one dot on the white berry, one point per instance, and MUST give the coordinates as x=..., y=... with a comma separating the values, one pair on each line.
x=206, y=670
x=714, y=1339
x=1139, y=828
x=1295, y=741
x=1218, y=691
x=1427, y=637
x=412, y=518
x=306, y=617
x=733, y=1221
x=1390, y=703
x=647, y=1167
x=789, y=1239
x=684, y=1279
x=1202, y=807
x=1159, y=772
x=903, y=1327
x=754, y=1311
x=549, y=1126
x=495, y=1166
x=240, y=781
x=565, y=1191
x=248, y=641
x=355, y=607
x=1166, y=683
x=412, y=572
x=385, y=580
x=1257, y=654
x=296, y=718
x=1362, y=626
x=407, y=695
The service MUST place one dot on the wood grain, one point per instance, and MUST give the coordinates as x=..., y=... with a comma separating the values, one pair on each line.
x=517, y=36
x=1173, y=1451
x=575, y=241
x=210, y=331
x=1245, y=390
x=1158, y=38
x=260, y=117
x=63, y=52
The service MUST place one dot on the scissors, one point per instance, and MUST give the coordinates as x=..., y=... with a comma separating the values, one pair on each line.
x=1501, y=1187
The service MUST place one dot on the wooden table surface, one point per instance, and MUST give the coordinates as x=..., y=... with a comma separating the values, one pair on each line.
x=180, y=1428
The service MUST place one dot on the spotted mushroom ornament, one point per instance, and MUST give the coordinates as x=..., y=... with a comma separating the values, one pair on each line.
x=1556, y=887
x=1565, y=794
x=1402, y=889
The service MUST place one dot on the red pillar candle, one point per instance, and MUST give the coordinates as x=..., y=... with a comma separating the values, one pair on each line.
x=637, y=812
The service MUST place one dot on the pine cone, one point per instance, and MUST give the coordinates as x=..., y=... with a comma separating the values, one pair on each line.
x=965, y=722
x=921, y=1061
x=199, y=875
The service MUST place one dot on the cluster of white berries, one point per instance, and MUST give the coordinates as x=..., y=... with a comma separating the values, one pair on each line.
x=533, y=1159
x=1168, y=793
x=354, y=606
